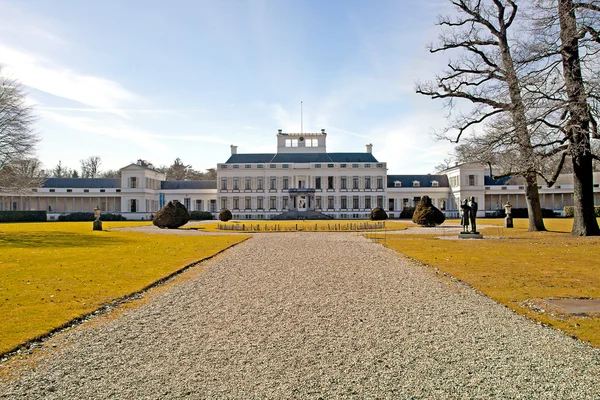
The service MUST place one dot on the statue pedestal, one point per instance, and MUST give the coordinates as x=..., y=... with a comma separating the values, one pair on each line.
x=508, y=222
x=470, y=235
x=97, y=225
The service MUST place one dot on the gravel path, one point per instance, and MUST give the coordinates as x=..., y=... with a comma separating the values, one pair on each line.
x=314, y=315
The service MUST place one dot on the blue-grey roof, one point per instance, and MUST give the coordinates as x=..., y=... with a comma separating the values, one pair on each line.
x=170, y=185
x=83, y=183
x=424, y=180
x=300, y=158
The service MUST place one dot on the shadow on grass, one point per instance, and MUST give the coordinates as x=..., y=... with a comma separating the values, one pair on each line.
x=56, y=239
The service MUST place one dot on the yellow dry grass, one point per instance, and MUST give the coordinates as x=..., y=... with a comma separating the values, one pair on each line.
x=520, y=266
x=292, y=226
x=51, y=273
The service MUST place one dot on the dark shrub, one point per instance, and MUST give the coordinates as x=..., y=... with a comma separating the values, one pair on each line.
x=200, y=215
x=23, y=216
x=407, y=213
x=378, y=214
x=89, y=216
x=426, y=214
x=569, y=211
x=172, y=215
x=225, y=215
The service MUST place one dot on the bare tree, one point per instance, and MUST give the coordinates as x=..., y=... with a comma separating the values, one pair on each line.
x=110, y=173
x=90, y=167
x=22, y=174
x=17, y=138
x=488, y=76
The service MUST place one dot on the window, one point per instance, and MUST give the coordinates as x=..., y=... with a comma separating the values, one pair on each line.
x=318, y=203
x=355, y=182
x=86, y=190
x=259, y=203
x=380, y=201
x=318, y=182
x=223, y=166
x=133, y=205
x=260, y=183
x=329, y=165
x=248, y=203
x=273, y=203
x=435, y=183
x=248, y=184
x=286, y=183
x=368, y=202
x=416, y=184
x=213, y=205
x=317, y=165
x=312, y=143
x=472, y=180
x=187, y=202
x=379, y=165
x=344, y=202
x=236, y=203
x=223, y=203
x=405, y=203
x=367, y=165
x=52, y=190
x=285, y=203
x=118, y=190
x=273, y=183
x=69, y=190
x=133, y=182
x=223, y=183
x=199, y=205
x=291, y=142
x=330, y=182
x=102, y=190
x=344, y=184
x=442, y=204
x=379, y=182
x=235, y=166
x=355, y=202
x=247, y=166
x=391, y=204
x=354, y=165
x=397, y=184
x=259, y=166
x=236, y=183
x=342, y=165
x=367, y=182
x=272, y=165
x=285, y=165
x=330, y=202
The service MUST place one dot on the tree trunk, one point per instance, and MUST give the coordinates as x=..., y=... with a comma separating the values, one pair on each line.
x=585, y=223
x=534, y=207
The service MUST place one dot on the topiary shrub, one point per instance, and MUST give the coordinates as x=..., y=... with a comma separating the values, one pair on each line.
x=426, y=214
x=200, y=215
x=407, y=213
x=225, y=215
x=172, y=215
x=378, y=214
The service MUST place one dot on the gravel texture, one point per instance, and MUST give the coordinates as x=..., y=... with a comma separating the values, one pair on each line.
x=314, y=315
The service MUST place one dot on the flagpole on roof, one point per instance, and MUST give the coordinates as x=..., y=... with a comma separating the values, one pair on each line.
x=301, y=119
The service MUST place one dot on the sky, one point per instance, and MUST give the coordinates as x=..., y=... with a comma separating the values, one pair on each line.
x=157, y=80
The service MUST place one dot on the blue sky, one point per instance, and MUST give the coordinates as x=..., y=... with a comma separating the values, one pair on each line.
x=158, y=80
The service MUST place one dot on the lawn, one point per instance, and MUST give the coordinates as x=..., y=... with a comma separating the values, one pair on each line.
x=293, y=226
x=519, y=268
x=51, y=273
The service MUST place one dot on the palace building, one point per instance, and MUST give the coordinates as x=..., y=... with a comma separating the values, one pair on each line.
x=300, y=180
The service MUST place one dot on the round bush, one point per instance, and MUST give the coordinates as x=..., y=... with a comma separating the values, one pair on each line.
x=426, y=214
x=172, y=216
x=378, y=214
x=225, y=215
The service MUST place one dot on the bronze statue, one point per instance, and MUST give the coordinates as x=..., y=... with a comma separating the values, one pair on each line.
x=473, y=214
x=464, y=215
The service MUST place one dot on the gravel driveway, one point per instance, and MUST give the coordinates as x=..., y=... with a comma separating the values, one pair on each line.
x=314, y=315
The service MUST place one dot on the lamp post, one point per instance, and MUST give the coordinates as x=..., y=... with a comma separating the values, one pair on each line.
x=97, y=222
x=508, y=220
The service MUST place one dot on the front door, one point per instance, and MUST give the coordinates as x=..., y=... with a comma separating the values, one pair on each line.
x=302, y=200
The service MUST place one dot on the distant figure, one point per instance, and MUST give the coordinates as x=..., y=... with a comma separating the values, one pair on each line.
x=464, y=215
x=473, y=214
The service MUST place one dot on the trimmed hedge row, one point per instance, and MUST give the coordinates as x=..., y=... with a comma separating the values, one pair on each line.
x=570, y=211
x=520, y=213
x=200, y=215
x=89, y=216
x=23, y=216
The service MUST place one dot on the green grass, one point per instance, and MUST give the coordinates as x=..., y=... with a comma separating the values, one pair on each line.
x=51, y=273
x=519, y=266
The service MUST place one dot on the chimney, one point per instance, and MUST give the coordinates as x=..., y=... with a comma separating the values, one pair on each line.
x=323, y=132
x=279, y=131
x=233, y=149
x=369, y=148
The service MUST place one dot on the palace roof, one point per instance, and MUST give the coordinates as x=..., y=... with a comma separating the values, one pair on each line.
x=424, y=180
x=266, y=158
x=83, y=183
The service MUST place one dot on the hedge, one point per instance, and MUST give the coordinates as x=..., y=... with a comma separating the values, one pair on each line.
x=519, y=213
x=407, y=213
x=23, y=216
x=200, y=215
x=89, y=216
x=570, y=211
